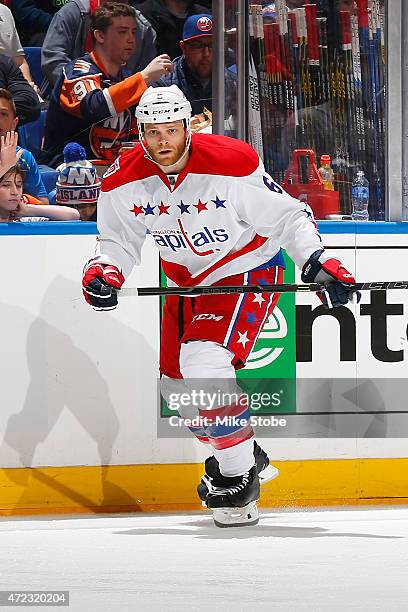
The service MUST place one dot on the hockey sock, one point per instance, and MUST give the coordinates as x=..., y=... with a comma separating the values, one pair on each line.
x=236, y=460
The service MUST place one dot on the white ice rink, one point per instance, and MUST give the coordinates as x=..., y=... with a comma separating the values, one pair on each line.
x=332, y=560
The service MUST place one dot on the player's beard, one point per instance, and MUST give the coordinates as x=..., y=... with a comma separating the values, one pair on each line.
x=175, y=153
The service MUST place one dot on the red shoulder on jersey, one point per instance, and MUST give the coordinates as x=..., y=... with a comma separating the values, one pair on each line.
x=214, y=154
x=129, y=167
x=210, y=154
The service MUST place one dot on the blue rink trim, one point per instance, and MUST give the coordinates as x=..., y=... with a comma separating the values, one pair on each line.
x=59, y=228
x=363, y=227
x=49, y=228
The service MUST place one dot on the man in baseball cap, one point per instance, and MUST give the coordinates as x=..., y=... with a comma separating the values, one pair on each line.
x=192, y=71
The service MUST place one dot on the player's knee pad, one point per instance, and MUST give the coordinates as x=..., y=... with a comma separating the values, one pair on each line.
x=208, y=374
x=200, y=359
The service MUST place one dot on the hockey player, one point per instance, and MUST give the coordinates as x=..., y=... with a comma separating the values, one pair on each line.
x=217, y=218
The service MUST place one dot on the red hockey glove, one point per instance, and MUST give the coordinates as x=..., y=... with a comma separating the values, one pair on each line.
x=339, y=283
x=99, y=284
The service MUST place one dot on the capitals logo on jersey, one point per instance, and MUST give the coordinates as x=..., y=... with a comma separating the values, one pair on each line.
x=179, y=239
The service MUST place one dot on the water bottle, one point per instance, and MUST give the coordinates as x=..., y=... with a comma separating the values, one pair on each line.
x=360, y=194
x=326, y=172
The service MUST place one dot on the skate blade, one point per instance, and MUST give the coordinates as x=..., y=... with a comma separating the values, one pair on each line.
x=269, y=473
x=236, y=517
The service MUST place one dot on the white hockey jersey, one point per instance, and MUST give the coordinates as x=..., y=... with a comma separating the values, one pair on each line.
x=225, y=215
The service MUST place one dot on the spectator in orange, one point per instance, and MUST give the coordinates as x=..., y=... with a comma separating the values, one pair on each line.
x=93, y=102
x=69, y=37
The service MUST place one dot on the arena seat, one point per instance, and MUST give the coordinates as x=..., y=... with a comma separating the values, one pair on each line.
x=30, y=135
x=49, y=177
x=33, y=57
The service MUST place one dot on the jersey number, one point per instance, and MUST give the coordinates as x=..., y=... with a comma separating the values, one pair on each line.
x=81, y=88
x=271, y=185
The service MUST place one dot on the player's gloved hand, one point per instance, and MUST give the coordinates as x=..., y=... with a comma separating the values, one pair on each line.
x=338, y=282
x=100, y=283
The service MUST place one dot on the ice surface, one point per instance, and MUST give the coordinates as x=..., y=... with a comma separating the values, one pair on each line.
x=317, y=561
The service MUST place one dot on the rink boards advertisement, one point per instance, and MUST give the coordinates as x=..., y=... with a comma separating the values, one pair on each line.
x=341, y=372
x=91, y=378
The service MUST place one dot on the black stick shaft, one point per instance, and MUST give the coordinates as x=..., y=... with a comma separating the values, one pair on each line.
x=283, y=288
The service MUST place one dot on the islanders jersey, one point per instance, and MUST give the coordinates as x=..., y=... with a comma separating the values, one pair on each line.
x=92, y=108
x=223, y=216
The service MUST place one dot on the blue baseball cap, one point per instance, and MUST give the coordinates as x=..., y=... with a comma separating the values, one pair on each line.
x=197, y=25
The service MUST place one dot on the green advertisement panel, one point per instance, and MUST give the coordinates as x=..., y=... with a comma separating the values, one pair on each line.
x=271, y=368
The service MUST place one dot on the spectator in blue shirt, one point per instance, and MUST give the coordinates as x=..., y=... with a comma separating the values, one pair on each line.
x=33, y=184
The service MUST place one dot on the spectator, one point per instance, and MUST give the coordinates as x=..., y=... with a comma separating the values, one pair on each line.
x=24, y=96
x=168, y=17
x=33, y=19
x=93, y=100
x=192, y=71
x=69, y=37
x=14, y=207
x=78, y=184
x=10, y=44
x=33, y=184
x=8, y=152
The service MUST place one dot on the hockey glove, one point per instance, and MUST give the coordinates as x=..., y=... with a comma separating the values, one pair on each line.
x=100, y=283
x=338, y=282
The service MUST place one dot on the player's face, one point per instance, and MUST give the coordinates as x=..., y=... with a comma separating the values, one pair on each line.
x=8, y=122
x=198, y=54
x=11, y=190
x=165, y=141
x=119, y=39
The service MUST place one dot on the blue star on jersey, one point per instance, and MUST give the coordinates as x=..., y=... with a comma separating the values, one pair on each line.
x=251, y=318
x=218, y=202
x=163, y=209
x=149, y=210
x=184, y=208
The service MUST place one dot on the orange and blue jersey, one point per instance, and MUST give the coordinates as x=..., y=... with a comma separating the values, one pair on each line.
x=92, y=108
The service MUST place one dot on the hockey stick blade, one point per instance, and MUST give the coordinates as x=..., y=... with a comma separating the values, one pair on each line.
x=284, y=288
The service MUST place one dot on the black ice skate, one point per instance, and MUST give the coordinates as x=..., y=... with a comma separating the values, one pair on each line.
x=266, y=472
x=233, y=499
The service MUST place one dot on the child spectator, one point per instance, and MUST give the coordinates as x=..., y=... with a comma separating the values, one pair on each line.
x=25, y=99
x=78, y=184
x=8, y=153
x=69, y=37
x=33, y=18
x=168, y=18
x=13, y=206
x=10, y=44
x=93, y=102
x=33, y=184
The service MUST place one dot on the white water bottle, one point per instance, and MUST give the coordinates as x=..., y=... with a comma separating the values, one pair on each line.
x=360, y=195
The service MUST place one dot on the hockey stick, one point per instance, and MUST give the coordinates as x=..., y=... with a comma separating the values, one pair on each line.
x=284, y=288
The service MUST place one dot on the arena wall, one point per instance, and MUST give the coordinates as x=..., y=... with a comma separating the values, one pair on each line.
x=79, y=388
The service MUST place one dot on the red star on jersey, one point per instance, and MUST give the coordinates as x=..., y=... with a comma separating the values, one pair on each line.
x=201, y=206
x=163, y=209
x=137, y=210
